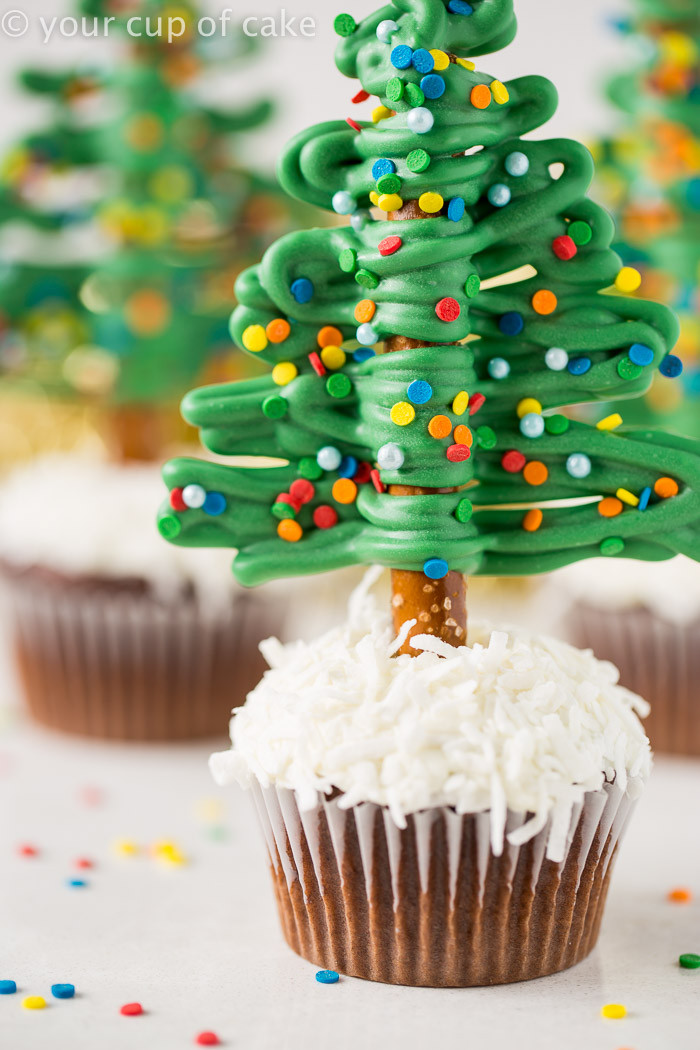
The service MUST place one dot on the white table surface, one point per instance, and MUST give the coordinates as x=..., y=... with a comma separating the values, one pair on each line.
x=199, y=946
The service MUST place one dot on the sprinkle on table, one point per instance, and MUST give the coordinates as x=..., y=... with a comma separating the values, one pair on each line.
x=26, y=849
x=689, y=961
x=680, y=895
x=613, y=1011
x=327, y=977
x=8, y=987
x=131, y=1010
x=207, y=1039
x=63, y=991
x=34, y=1002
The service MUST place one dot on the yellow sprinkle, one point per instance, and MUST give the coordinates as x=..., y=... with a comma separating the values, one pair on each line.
x=333, y=357
x=628, y=279
x=209, y=809
x=381, y=113
x=374, y=197
x=254, y=338
x=34, y=1002
x=614, y=1011
x=465, y=63
x=169, y=852
x=610, y=422
x=390, y=202
x=284, y=373
x=430, y=203
x=403, y=413
x=499, y=92
x=527, y=405
x=460, y=403
x=627, y=497
x=440, y=59
x=125, y=848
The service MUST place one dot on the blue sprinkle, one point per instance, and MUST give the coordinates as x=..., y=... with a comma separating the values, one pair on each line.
x=8, y=987
x=214, y=504
x=76, y=884
x=364, y=354
x=511, y=323
x=327, y=977
x=382, y=167
x=641, y=355
x=436, y=568
x=456, y=209
x=401, y=56
x=644, y=499
x=693, y=193
x=423, y=61
x=63, y=991
x=348, y=467
x=460, y=7
x=499, y=195
x=433, y=86
x=578, y=366
x=671, y=367
x=419, y=392
x=302, y=289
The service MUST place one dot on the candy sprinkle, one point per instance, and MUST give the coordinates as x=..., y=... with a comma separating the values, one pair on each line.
x=34, y=1002
x=327, y=977
x=207, y=1039
x=544, y=302
x=610, y=422
x=460, y=403
x=131, y=1009
x=628, y=279
x=27, y=850
x=535, y=473
x=610, y=507
x=689, y=961
x=8, y=987
x=533, y=520
x=614, y=1011
x=680, y=895
x=665, y=488
x=448, y=309
x=440, y=427
x=458, y=453
x=63, y=991
x=436, y=568
x=480, y=96
x=402, y=413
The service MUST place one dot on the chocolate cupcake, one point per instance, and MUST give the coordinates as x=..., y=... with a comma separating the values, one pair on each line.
x=449, y=819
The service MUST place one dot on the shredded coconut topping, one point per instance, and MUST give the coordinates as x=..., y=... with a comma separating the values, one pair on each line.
x=509, y=722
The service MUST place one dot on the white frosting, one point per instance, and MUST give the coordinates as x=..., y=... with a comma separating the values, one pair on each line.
x=670, y=589
x=83, y=516
x=509, y=722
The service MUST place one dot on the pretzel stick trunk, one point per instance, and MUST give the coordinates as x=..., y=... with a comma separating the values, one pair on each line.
x=438, y=606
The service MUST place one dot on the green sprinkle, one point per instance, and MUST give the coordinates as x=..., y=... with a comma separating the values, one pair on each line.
x=308, y=468
x=345, y=25
x=395, y=89
x=347, y=260
x=367, y=279
x=274, y=407
x=418, y=160
x=612, y=546
x=473, y=285
x=338, y=385
x=486, y=437
x=627, y=369
x=580, y=232
x=464, y=511
x=689, y=961
x=414, y=95
x=389, y=184
x=556, y=424
x=169, y=526
x=283, y=510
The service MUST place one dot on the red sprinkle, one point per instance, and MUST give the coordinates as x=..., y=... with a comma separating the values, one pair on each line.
x=176, y=500
x=84, y=862
x=377, y=481
x=389, y=245
x=131, y=1009
x=458, y=453
x=302, y=490
x=361, y=96
x=564, y=247
x=207, y=1039
x=475, y=403
x=513, y=461
x=325, y=517
x=284, y=497
x=448, y=309
x=317, y=364
x=353, y=124
x=363, y=473
x=27, y=850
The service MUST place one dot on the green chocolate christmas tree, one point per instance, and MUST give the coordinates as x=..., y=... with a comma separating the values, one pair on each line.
x=487, y=273
x=140, y=171
x=648, y=174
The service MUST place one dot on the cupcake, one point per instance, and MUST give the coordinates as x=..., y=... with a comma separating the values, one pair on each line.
x=448, y=819
x=116, y=635
x=646, y=619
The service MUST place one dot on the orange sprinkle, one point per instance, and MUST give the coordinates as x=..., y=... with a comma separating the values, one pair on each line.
x=278, y=330
x=680, y=896
x=610, y=507
x=344, y=491
x=329, y=336
x=533, y=520
x=480, y=96
x=544, y=302
x=535, y=473
x=365, y=310
x=666, y=487
x=290, y=530
x=439, y=427
x=463, y=436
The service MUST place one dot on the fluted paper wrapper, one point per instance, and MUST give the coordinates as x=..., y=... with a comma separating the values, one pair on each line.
x=431, y=904
x=123, y=666
x=658, y=660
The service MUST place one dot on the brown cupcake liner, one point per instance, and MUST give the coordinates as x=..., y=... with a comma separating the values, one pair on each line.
x=658, y=660
x=431, y=904
x=103, y=660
